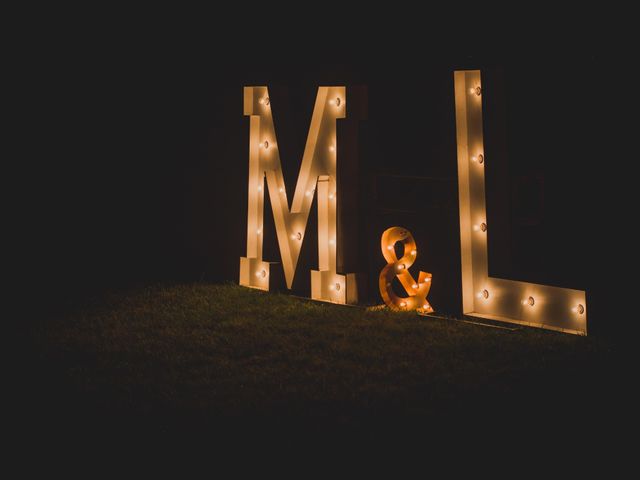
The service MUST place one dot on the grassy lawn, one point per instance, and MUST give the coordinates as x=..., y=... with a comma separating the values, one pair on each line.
x=222, y=357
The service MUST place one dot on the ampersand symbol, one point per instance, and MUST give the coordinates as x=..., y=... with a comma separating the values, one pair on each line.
x=418, y=291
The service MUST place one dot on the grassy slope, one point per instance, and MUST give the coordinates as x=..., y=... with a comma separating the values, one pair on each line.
x=204, y=356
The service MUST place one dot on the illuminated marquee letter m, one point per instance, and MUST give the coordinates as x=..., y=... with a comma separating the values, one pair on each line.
x=317, y=176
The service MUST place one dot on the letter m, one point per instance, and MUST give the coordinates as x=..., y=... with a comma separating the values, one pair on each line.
x=317, y=176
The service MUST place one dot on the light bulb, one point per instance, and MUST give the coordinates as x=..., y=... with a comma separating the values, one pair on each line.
x=415, y=286
x=259, y=188
x=529, y=301
x=332, y=148
x=308, y=193
x=425, y=306
x=480, y=158
x=579, y=309
x=428, y=279
x=477, y=90
x=403, y=304
x=401, y=266
x=390, y=247
x=484, y=294
x=483, y=227
x=261, y=274
x=332, y=196
x=332, y=242
x=258, y=231
x=281, y=190
x=413, y=252
x=335, y=101
x=296, y=236
x=265, y=144
x=337, y=287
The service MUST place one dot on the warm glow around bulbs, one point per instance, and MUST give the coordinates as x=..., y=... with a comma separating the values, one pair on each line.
x=482, y=227
x=478, y=158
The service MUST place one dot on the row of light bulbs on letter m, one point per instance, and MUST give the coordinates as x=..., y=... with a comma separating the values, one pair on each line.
x=483, y=296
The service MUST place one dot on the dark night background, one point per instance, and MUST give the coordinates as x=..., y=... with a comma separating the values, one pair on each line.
x=144, y=178
x=133, y=154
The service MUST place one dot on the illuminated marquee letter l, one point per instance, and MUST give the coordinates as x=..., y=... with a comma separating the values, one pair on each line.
x=554, y=308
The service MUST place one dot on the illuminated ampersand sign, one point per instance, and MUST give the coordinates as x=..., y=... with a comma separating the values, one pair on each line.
x=418, y=291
